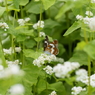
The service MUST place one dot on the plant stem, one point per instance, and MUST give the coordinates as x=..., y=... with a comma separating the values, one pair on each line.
x=6, y=9
x=89, y=73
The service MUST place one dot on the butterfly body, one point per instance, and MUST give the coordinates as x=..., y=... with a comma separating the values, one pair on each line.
x=50, y=47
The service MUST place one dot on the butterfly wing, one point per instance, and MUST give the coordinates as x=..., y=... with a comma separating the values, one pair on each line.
x=46, y=42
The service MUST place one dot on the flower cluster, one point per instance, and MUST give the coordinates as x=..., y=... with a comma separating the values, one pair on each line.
x=43, y=58
x=82, y=76
x=92, y=1
x=48, y=69
x=39, y=24
x=4, y=26
x=1, y=1
x=63, y=70
x=88, y=20
x=17, y=89
x=53, y=93
x=11, y=50
x=42, y=34
x=22, y=22
x=13, y=62
x=12, y=69
x=77, y=90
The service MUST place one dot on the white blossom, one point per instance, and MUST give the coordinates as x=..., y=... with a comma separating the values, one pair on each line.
x=86, y=20
x=79, y=17
x=48, y=69
x=42, y=34
x=43, y=58
x=92, y=1
x=89, y=13
x=18, y=49
x=27, y=19
x=11, y=70
x=1, y=67
x=17, y=89
x=4, y=26
x=1, y=1
x=77, y=90
x=53, y=93
x=92, y=80
x=39, y=24
x=11, y=50
x=22, y=22
x=63, y=70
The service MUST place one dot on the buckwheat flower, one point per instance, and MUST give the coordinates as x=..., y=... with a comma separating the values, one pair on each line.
x=4, y=26
x=39, y=24
x=91, y=24
x=48, y=69
x=92, y=80
x=53, y=93
x=92, y=1
x=79, y=17
x=21, y=22
x=1, y=67
x=1, y=1
x=17, y=89
x=18, y=49
x=8, y=51
x=42, y=34
x=77, y=90
x=86, y=20
x=27, y=19
x=82, y=75
x=89, y=13
x=63, y=70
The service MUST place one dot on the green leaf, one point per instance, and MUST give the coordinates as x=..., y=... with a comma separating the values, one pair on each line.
x=67, y=6
x=90, y=49
x=32, y=53
x=80, y=45
x=56, y=87
x=2, y=10
x=79, y=56
x=75, y=26
x=48, y=3
x=34, y=7
x=16, y=3
x=23, y=2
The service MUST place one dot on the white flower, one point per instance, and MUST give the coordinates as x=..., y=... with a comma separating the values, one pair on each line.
x=91, y=23
x=8, y=51
x=43, y=58
x=82, y=75
x=77, y=90
x=48, y=69
x=39, y=24
x=79, y=17
x=1, y=67
x=53, y=93
x=92, y=80
x=4, y=26
x=89, y=13
x=18, y=49
x=17, y=89
x=42, y=34
x=27, y=19
x=1, y=1
x=92, y=1
x=21, y=22
x=63, y=70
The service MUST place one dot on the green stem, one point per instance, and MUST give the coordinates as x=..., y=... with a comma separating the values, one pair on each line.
x=6, y=9
x=89, y=73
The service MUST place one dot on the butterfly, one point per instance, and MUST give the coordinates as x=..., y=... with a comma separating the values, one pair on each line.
x=50, y=47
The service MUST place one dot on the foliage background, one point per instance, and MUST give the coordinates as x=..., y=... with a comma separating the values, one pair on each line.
x=61, y=24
